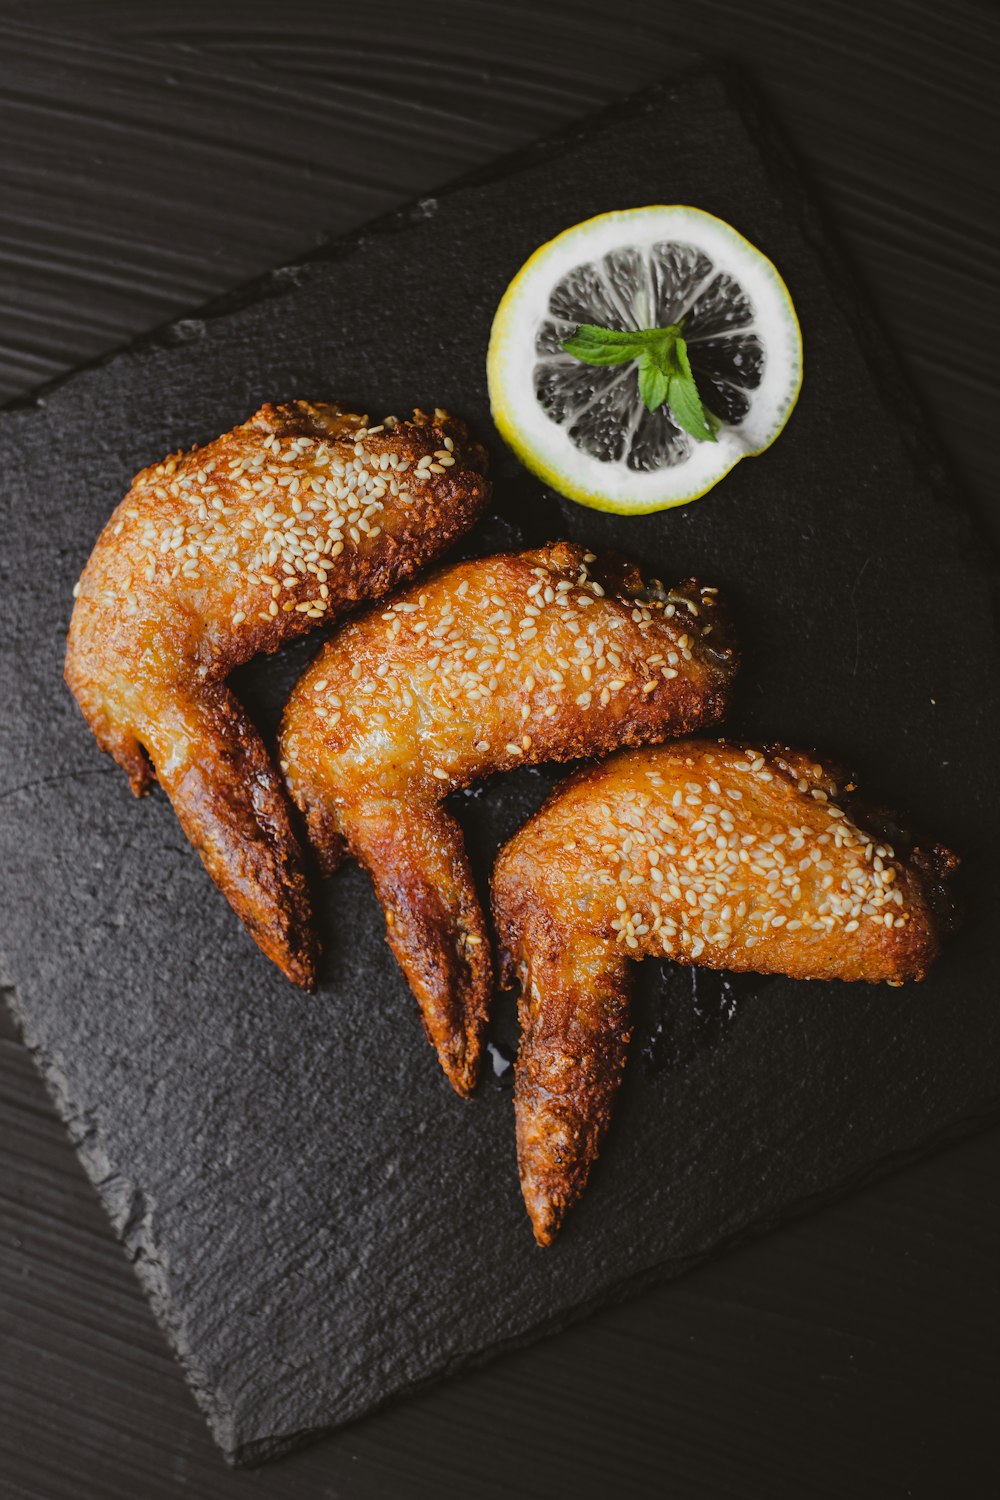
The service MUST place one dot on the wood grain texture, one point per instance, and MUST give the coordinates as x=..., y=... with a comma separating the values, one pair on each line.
x=153, y=157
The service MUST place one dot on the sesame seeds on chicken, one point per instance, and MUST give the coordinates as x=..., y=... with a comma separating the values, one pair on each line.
x=236, y=548
x=723, y=855
x=506, y=661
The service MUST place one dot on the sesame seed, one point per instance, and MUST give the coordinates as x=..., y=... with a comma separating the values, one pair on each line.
x=732, y=884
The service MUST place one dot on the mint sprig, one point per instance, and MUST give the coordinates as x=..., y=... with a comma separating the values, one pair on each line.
x=662, y=365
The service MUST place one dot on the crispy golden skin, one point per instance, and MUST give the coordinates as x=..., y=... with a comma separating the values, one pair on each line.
x=721, y=855
x=236, y=548
x=502, y=662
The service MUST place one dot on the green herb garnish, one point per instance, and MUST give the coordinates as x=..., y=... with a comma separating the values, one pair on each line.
x=662, y=365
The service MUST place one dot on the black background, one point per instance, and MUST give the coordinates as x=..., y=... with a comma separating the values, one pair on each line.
x=153, y=157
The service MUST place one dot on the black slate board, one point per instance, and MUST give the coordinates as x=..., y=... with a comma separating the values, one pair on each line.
x=318, y=1222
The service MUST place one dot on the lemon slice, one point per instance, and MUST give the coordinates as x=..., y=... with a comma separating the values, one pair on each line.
x=584, y=429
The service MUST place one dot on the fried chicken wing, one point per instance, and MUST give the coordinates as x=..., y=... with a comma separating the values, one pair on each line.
x=502, y=662
x=236, y=548
x=720, y=855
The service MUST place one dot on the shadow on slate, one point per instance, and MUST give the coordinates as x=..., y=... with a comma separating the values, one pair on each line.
x=318, y=1221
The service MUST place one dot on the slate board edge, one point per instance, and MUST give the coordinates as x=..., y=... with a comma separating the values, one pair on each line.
x=111, y=1186
x=255, y=1454
x=128, y=1226
x=262, y=1451
x=274, y=282
x=800, y=202
x=915, y=422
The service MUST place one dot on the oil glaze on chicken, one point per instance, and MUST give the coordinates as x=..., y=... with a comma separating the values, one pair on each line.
x=236, y=548
x=506, y=661
x=722, y=855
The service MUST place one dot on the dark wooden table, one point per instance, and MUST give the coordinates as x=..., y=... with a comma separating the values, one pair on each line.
x=153, y=156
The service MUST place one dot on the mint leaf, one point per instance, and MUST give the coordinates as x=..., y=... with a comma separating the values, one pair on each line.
x=598, y=335
x=663, y=353
x=687, y=410
x=653, y=383
x=662, y=366
x=604, y=346
x=683, y=363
